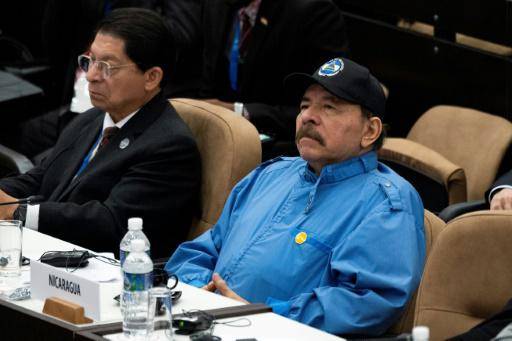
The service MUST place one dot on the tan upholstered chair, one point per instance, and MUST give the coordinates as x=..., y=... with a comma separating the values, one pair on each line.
x=476, y=43
x=230, y=148
x=433, y=226
x=472, y=139
x=468, y=274
x=439, y=181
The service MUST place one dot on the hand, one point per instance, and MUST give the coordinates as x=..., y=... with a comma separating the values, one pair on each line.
x=502, y=200
x=217, y=283
x=226, y=105
x=6, y=212
x=209, y=287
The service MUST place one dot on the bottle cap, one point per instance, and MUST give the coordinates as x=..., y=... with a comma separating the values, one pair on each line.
x=420, y=333
x=135, y=224
x=137, y=245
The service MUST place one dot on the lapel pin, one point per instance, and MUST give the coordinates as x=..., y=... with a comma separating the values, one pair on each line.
x=124, y=143
x=264, y=21
x=301, y=237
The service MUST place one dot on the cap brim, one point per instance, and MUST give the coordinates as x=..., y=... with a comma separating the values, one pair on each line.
x=296, y=84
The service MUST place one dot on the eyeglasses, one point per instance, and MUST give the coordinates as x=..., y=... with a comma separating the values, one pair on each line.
x=84, y=62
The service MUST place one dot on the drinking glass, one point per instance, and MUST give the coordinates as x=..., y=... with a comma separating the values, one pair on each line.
x=160, y=308
x=10, y=248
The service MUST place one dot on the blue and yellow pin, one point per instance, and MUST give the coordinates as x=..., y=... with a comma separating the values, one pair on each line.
x=301, y=237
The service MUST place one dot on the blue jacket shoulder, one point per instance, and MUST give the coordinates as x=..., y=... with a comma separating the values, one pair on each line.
x=398, y=190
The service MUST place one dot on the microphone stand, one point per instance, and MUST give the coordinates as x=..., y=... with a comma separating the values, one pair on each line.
x=28, y=200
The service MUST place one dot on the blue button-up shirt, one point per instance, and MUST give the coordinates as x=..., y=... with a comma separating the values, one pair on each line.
x=343, y=251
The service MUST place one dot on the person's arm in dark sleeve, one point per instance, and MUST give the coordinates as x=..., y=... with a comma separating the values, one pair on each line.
x=24, y=185
x=161, y=188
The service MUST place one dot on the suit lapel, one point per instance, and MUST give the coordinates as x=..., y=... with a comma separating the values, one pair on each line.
x=128, y=133
x=215, y=38
x=76, y=154
x=260, y=31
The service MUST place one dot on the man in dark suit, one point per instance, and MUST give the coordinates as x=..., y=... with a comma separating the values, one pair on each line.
x=250, y=46
x=499, y=195
x=94, y=180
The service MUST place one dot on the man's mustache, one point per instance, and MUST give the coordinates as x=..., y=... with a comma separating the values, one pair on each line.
x=308, y=130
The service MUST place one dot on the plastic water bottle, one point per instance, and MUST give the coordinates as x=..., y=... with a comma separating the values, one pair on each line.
x=134, y=232
x=81, y=100
x=138, y=279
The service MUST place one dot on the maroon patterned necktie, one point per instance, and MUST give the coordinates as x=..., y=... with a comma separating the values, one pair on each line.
x=108, y=133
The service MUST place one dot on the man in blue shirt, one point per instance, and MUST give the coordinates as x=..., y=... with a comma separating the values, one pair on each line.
x=333, y=239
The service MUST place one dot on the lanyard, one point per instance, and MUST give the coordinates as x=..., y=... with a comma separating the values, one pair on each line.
x=87, y=159
x=234, y=56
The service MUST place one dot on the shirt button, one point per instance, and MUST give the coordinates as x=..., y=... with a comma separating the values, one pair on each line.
x=387, y=184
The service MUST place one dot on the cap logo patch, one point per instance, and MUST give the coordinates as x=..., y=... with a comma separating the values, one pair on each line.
x=331, y=68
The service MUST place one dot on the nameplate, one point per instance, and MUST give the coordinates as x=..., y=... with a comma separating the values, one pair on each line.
x=47, y=281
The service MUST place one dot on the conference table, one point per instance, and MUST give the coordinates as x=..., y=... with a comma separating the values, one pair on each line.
x=24, y=320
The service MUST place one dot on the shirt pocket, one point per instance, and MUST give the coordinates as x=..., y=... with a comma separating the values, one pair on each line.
x=301, y=261
x=301, y=237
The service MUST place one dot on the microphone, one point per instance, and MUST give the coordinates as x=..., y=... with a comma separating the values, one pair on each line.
x=28, y=200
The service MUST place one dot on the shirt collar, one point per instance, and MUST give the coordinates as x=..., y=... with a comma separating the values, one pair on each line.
x=108, y=122
x=343, y=170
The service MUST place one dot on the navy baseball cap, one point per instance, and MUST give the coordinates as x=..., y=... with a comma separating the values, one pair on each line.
x=345, y=79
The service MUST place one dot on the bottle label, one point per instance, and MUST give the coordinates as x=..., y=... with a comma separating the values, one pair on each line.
x=138, y=282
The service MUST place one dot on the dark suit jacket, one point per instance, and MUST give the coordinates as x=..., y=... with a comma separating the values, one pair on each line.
x=156, y=177
x=505, y=179
x=289, y=36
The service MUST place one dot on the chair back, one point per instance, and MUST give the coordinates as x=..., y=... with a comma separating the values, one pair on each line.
x=432, y=226
x=468, y=274
x=230, y=148
x=472, y=139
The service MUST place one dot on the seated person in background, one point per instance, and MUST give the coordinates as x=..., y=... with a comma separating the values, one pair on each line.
x=249, y=46
x=332, y=238
x=130, y=156
x=499, y=195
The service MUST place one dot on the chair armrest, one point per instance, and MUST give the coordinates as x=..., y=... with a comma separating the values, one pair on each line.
x=456, y=210
x=14, y=161
x=428, y=162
